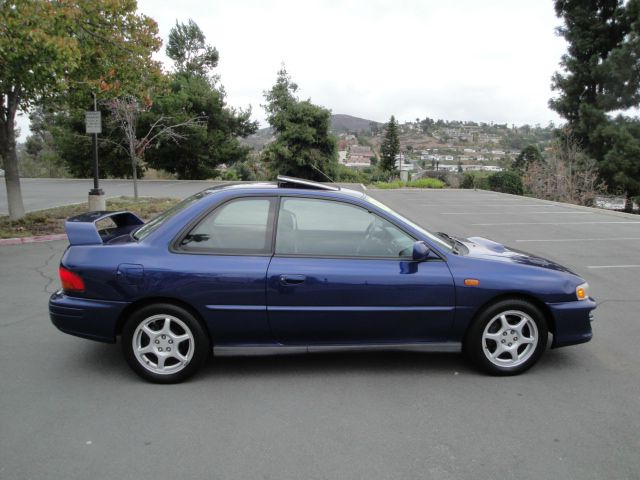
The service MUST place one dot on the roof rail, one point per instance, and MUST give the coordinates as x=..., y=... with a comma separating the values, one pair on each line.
x=293, y=182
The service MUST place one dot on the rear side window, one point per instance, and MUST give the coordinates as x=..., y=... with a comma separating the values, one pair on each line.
x=242, y=226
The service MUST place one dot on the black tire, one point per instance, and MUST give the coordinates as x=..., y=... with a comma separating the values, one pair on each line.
x=512, y=351
x=173, y=346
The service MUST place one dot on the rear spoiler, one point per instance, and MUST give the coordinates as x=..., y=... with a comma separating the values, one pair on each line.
x=82, y=229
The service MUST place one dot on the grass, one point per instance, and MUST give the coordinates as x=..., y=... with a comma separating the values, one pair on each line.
x=420, y=183
x=50, y=221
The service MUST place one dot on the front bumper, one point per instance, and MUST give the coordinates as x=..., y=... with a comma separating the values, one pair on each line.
x=86, y=318
x=572, y=322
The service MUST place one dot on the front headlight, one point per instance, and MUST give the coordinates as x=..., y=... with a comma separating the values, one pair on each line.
x=582, y=291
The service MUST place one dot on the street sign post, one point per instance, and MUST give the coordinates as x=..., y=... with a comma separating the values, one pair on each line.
x=93, y=124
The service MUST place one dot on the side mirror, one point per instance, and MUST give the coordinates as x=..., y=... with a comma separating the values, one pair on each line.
x=420, y=252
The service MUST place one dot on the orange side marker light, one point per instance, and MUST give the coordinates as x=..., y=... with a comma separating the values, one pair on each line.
x=471, y=282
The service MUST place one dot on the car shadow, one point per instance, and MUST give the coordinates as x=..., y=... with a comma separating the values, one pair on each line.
x=107, y=360
x=311, y=364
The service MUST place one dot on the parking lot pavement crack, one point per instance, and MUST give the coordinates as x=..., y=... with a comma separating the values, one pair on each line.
x=43, y=271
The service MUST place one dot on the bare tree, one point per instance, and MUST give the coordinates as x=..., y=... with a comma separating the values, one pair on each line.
x=126, y=112
x=567, y=175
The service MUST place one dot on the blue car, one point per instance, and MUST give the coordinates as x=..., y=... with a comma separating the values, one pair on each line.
x=295, y=266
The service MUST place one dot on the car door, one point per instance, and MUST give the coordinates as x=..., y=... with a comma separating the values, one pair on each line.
x=223, y=264
x=342, y=274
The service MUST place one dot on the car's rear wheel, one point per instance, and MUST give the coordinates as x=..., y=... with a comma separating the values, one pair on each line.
x=164, y=343
x=507, y=337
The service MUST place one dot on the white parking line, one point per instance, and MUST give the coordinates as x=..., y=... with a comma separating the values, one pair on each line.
x=549, y=223
x=515, y=213
x=614, y=266
x=611, y=239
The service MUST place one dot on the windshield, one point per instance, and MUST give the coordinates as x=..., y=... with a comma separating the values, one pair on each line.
x=153, y=224
x=435, y=239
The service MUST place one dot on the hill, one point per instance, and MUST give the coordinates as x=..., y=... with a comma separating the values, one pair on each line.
x=341, y=123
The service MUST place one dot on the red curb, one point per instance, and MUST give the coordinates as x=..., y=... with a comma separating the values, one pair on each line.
x=39, y=239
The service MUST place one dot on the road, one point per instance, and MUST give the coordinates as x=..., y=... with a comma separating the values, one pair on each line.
x=41, y=193
x=72, y=409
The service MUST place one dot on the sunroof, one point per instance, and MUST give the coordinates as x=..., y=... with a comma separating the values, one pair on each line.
x=293, y=182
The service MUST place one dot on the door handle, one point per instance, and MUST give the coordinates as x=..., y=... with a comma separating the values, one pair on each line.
x=292, y=279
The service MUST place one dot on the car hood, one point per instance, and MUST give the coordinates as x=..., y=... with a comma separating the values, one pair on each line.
x=480, y=247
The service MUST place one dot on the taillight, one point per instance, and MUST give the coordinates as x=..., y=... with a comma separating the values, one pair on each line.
x=71, y=282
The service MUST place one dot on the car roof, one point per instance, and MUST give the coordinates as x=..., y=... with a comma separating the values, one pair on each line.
x=285, y=182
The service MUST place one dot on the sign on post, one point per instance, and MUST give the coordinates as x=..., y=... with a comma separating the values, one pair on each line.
x=93, y=122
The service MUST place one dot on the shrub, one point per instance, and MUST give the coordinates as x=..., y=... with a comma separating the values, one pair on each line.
x=420, y=183
x=467, y=180
x=475, y=180
x=505, y=182
x=427, y=183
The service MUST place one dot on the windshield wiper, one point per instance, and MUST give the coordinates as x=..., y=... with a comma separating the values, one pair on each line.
x=454, y=242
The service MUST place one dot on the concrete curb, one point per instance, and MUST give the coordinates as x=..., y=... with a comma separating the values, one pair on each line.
x=38, y=239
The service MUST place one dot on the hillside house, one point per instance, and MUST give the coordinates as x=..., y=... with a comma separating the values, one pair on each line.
x=358, y=156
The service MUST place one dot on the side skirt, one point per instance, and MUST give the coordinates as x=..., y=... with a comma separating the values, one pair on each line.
x=246, y=350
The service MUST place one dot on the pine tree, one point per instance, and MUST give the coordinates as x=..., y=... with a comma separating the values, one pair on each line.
x=303, y=147
x=601, y=75
x=390, y=147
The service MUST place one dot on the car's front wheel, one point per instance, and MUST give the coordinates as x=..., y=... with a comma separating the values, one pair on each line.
x=164, y=343
x=507, y=337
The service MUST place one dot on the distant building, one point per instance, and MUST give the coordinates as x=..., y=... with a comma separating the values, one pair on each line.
x=358, y=156
x=481, y=168
x=361, y=150
x=403, y=164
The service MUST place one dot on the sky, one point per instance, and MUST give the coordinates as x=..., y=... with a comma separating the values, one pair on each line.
x=486, y=61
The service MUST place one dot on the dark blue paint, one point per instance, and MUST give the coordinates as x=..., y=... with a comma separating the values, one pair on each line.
x=266, y=299
x=344, y=286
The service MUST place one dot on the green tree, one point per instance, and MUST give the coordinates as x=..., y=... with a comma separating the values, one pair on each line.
x=194, y=92
x=208, y=147
x=529, y=154
x=64, y=51
x=390, y=147
x=601, y=75
x=74, y=147
x=188, y=49
x=303, y=146
x=39, y=150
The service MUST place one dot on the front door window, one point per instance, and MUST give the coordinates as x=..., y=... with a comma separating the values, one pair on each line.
x=322, y=228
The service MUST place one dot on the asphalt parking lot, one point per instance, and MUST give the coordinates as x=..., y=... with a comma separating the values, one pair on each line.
x=72, y=409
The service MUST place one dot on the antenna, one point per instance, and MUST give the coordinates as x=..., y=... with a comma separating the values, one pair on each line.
x=321, y=172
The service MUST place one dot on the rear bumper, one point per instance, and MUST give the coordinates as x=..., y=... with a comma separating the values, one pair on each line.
x=572, y=322
x=92, y=319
